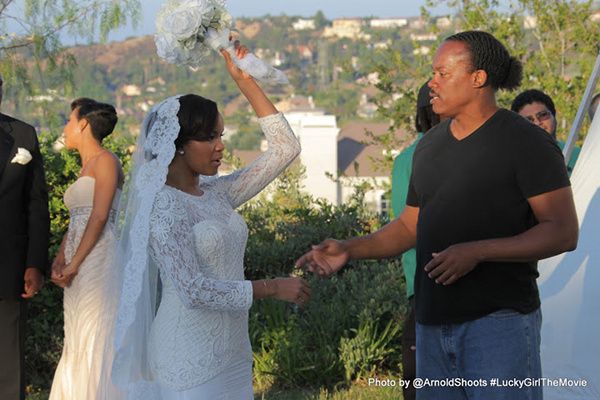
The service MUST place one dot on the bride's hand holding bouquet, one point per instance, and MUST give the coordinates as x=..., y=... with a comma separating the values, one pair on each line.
x=237, y=74
x=189, y=30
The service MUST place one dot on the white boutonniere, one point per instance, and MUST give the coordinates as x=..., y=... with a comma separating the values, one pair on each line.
x=22, y=157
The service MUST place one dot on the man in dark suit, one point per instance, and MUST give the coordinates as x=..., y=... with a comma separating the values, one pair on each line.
x=24, y=234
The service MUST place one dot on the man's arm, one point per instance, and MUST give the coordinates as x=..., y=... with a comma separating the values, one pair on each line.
x=391, y=240
x=556, y=232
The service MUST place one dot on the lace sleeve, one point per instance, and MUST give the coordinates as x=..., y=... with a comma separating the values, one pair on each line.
x=284, y=147
x=172, y=249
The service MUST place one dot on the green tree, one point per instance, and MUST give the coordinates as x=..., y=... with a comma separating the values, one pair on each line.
x=32, y=57
x=320, y=20
x=558, y=52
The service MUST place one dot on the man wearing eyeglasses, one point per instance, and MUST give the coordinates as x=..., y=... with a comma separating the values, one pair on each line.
x=24, y=233
x=538, y=108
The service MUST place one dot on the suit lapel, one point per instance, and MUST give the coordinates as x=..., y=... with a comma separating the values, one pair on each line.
x=6, y=143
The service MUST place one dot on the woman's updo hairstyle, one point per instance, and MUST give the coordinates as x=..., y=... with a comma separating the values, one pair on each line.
x=102, y=117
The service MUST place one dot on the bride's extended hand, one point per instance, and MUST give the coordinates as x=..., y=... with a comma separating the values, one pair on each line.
x=294, y=290
x=236, y=73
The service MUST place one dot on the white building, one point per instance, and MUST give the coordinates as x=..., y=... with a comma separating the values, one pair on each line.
x=417, y=23
x=421, y=50
x=318, y=135
x=344, y=28
x=131, y=90
x=529, y=22
x=443, y=22
x=388, y=23
x=355, y=163
x=304, y=24
x=423, y=37
x=335, y=160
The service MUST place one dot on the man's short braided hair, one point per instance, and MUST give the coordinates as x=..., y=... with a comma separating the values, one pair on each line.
x=488, y=54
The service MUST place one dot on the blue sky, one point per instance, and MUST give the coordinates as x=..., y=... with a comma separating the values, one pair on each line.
x=253, y=8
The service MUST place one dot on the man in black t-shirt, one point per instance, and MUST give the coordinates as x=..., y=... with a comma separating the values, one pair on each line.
x=489, y=196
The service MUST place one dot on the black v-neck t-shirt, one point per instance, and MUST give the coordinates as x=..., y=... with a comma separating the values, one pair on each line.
x=474, y=189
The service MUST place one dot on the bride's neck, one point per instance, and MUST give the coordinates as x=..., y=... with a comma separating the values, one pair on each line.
x=183, y=180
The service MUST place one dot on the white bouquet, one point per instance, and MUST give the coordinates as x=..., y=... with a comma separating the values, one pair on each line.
x=188, y=30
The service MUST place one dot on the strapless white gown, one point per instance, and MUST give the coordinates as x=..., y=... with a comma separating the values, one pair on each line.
x=87, y=311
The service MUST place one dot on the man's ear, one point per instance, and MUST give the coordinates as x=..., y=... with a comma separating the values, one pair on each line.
x=479, y=78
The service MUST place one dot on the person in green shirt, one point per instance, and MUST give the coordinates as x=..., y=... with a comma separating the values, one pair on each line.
x=425, y=119
x=537, y=107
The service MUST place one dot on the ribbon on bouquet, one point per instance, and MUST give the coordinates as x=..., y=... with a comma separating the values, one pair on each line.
x=250, y=64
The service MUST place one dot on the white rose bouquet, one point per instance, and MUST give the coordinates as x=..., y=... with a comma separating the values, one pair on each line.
x=188, y=30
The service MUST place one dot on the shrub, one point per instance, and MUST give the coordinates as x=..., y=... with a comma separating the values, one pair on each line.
x=350, y=327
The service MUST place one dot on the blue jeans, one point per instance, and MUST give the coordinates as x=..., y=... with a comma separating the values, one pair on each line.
x=485, y=359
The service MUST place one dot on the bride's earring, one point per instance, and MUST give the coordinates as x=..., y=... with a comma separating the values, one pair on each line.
x=181, y=152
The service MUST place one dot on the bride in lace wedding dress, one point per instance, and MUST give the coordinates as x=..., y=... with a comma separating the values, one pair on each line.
x=181, y=225
x=82, y=266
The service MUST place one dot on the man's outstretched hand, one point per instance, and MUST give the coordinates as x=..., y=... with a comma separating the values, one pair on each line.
x=326, y=258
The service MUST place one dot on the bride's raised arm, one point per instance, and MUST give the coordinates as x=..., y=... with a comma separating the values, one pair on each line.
x=283, y=146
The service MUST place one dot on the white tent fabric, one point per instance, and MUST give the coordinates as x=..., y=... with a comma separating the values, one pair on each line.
x=570, y=291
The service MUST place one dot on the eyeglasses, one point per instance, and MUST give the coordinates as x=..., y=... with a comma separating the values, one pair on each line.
x=540, y=116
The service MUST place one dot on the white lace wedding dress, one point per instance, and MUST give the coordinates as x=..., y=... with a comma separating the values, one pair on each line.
x=199, y=346
x=86, y=307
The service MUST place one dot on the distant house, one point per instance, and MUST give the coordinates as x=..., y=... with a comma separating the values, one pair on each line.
x=305, y=52
x=131, y=90
x=369, y=80
x=422, y=50
x=344, y=28
x=388, y=23
x=297, y=102
x=529, y=22
x=417, y=23
x=366, y=107
x=423, y=37
x=382, y=45
x=304, y=24
x=443, y=22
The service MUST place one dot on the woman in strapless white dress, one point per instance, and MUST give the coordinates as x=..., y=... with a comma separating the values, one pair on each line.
x=83, y=264
x=195, y=345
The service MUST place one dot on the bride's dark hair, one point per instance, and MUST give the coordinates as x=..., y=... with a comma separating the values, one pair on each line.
x=197, y=119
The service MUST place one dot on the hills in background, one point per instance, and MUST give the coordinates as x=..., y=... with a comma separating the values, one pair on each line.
x=327, y=63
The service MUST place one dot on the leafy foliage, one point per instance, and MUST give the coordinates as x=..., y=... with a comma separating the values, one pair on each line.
x=368, y=348
x=557, y=52
x=351, y=326
x=349, y=329
x=37, y=45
